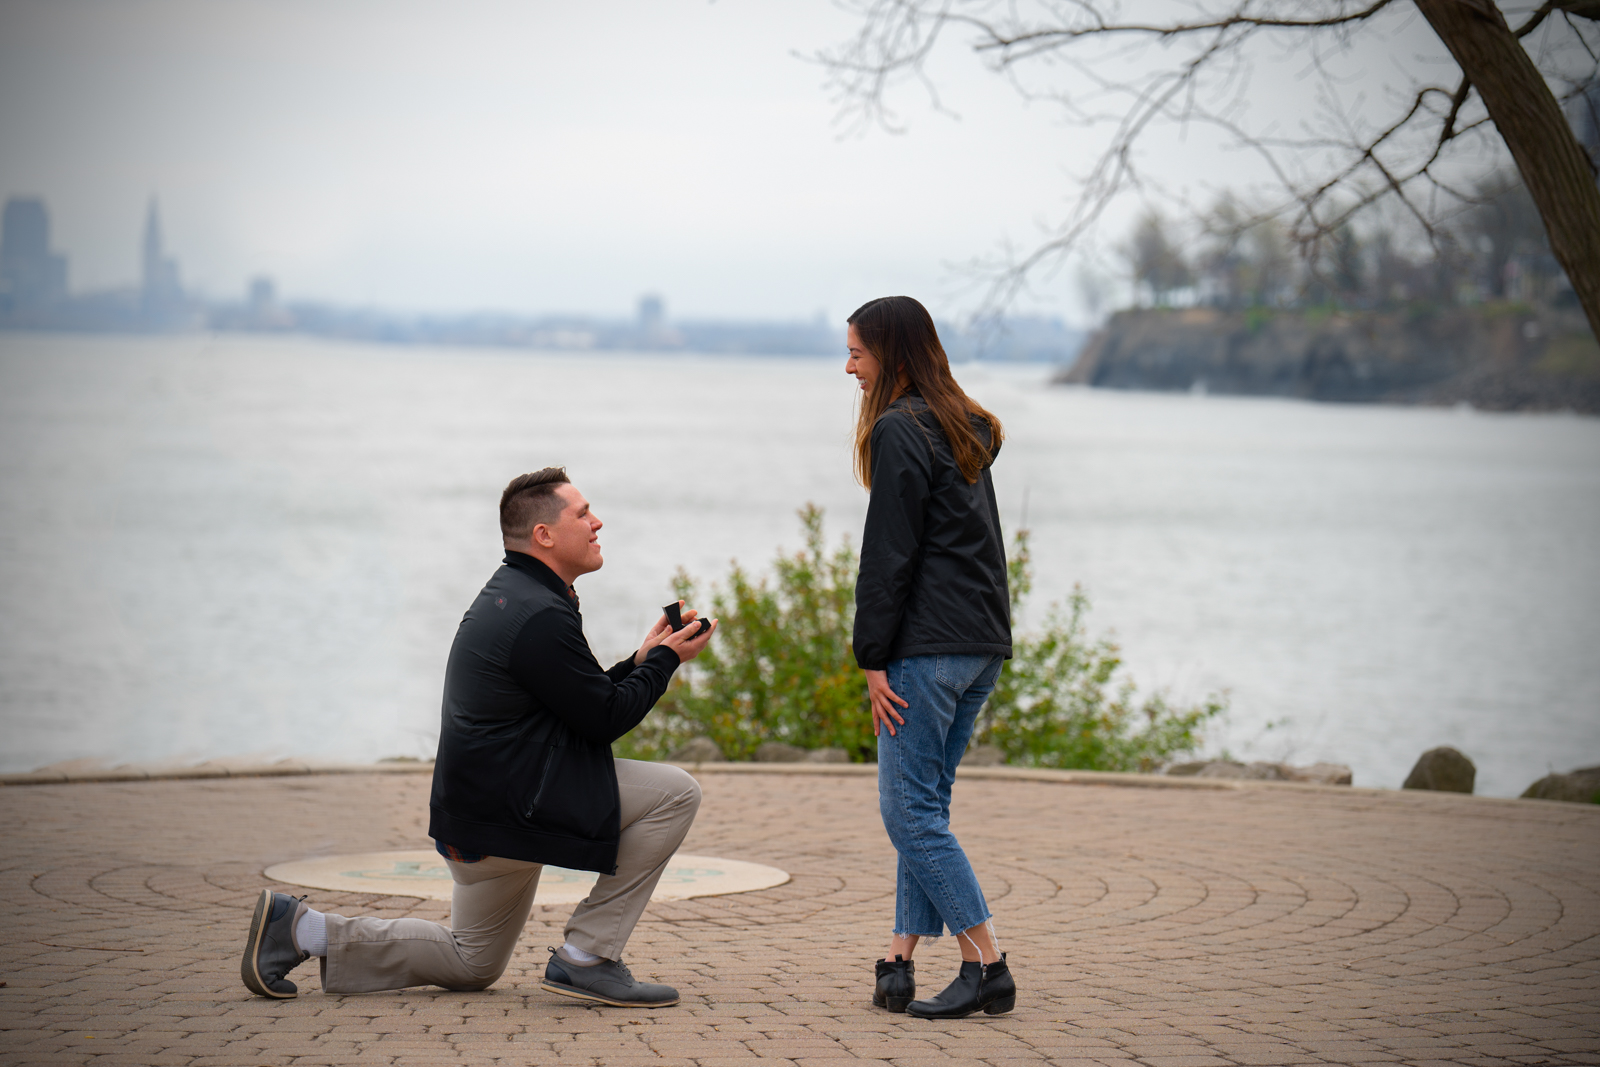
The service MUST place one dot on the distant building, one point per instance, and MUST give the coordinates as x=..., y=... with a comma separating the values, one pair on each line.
x=265, y=312
x=261, y=311
x=263, y=296
x=653, y=329
x=161, y=292
x=652, y=314
x=33, y=280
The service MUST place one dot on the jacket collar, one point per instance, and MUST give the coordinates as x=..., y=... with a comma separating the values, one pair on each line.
x=541, y=573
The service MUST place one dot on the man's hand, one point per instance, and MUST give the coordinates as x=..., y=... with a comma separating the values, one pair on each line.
x=883, y=701
x=684, y=643
x=660, y=630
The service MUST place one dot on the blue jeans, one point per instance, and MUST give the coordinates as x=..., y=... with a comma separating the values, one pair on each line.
x=934, y=885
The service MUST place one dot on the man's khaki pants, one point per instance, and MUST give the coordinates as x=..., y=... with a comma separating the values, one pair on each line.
x=492, y=899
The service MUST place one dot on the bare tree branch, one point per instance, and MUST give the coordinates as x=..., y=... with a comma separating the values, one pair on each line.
x=1584, y=9
x=1236, y=18
x=1537, y=17
x=1447, y=132
x=1361, y=166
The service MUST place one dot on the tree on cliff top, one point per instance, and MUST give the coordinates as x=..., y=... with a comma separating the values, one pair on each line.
x=1508, y=82
x=1158, y=264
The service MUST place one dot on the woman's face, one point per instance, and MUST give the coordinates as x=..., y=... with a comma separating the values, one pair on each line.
x=861, y=363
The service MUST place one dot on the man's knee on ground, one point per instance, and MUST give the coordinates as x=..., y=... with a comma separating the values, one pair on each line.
x=483, y=963
x=481, y=974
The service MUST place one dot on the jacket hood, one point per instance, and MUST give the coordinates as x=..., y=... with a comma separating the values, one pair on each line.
x=913, y=404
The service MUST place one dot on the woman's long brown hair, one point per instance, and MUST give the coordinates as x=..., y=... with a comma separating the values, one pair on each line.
x=899, y=333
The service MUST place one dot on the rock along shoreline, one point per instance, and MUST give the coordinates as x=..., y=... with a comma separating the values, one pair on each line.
x=87, y=772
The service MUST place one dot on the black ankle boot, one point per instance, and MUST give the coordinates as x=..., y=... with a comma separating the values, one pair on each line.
x=980, y=986
x=897, y=983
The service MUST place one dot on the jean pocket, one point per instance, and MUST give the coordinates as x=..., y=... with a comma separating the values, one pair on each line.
x=959, y=672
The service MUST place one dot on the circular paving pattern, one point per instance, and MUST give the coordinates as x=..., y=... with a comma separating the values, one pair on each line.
x=1147, y=928
x=423, y=873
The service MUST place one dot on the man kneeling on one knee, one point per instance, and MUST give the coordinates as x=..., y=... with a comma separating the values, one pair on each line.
x=524, y=777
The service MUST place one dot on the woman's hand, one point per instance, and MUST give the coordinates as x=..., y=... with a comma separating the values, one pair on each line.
x=883, y=701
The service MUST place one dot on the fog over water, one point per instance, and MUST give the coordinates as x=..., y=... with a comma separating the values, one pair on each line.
x=214, y=546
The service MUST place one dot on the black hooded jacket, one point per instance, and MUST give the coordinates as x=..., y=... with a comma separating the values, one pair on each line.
x=524, y=769
x=933, y=564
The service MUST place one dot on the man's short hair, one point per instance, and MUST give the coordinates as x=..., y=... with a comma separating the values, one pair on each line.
x=529, y=500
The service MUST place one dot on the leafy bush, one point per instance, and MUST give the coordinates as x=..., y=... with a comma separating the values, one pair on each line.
x=781, y=669
x=1057, y=702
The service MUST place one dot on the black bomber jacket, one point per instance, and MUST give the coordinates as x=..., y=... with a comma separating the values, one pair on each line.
x=524, y=769
x=933, y=563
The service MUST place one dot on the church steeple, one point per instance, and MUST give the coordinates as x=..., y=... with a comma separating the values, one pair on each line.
x=153, y=253
x=162, y=292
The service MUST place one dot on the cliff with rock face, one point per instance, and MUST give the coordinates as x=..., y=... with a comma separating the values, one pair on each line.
x=1502, y=358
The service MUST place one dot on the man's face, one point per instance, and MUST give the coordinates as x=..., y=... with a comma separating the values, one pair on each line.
x=574, y=536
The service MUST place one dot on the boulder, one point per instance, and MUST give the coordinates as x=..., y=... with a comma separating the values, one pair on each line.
x=1443, y=769
x=698, y=750
x=827, y=755
x=984, y=756
x=779, y=752
x=1258, y=771
x=1186, y=770
x=1320, y=773
x=1223, y=768
x=1581, y=786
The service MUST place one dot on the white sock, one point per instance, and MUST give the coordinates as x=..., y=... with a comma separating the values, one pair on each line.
x=576, y=954
x=311, y=933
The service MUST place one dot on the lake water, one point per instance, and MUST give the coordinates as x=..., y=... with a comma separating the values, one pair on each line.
x=214, y=546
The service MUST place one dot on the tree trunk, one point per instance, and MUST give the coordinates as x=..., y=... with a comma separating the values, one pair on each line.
x=1554, y=167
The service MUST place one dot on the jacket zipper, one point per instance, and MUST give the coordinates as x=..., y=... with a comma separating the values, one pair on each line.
x=544, y=776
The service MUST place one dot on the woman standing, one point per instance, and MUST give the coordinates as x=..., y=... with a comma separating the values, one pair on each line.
x=933, y=625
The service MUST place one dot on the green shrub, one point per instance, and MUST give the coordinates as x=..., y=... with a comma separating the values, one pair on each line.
x=1058, y=702
x=781, y=669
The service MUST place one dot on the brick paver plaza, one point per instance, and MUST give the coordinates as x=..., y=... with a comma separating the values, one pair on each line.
x=1169, y=927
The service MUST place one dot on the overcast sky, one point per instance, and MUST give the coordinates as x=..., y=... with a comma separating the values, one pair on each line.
x=536, y=157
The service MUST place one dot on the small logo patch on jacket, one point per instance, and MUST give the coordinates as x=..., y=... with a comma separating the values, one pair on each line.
x=500, y=602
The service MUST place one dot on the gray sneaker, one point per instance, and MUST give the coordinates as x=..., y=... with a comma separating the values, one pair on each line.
x=606, y=982
x=270, y=952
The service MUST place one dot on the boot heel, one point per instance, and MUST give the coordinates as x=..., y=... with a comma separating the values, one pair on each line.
x=1001, y=1006
x=897, y=1004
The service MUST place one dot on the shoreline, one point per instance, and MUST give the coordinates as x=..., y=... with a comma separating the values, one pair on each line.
x=67, y=774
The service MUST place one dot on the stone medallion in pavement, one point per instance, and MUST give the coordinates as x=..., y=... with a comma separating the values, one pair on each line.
x=1166, y=927
x=424, y=874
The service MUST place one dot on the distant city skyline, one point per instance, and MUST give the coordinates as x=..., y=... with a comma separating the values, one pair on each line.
x=34, y=295
x=536, y=155
x=34, y=278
